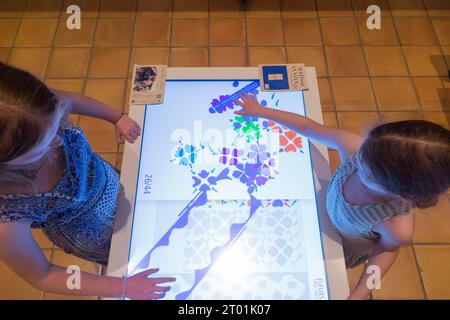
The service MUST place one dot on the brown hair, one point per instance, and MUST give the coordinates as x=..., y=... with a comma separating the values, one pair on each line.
x=410, y=159
x=27, y=107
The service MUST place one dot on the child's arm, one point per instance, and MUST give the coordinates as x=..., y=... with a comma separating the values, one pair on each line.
x=344, y=141
x=125, y=127
x=382, y=258
x=22, y=255
x=394, y=234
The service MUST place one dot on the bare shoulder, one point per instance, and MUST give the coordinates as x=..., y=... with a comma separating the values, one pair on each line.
x=349, y=143
x=399, y=229
x=13, y=233
x=11, y=227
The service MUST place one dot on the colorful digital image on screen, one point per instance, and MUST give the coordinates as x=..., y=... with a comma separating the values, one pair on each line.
x=226, y=203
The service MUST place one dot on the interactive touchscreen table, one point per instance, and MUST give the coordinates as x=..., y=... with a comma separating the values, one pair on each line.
x=231, y=206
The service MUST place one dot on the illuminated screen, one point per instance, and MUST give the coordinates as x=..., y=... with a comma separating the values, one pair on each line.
x=225, y=203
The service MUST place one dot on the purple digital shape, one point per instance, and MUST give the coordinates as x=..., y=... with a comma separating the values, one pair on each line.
x=237, y=153
x=203, y=174
x=230, y=155
x=258, y=153
x=223, y=175
x=212, y=180
x=197, y=181
x=220, y=105
x=241, y=175
x=204, y=188
x=246, y=173
x=261, y=180
x=265, y=170
x=249, y=119
x=229, y=101
x=223, y=159
x=254, y=92
x=263, y=103
x=277, y=203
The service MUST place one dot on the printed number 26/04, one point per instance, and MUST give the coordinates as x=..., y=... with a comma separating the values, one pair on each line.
x=148, y=184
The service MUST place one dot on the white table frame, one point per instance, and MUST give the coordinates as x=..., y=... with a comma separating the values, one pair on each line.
x=332, y=249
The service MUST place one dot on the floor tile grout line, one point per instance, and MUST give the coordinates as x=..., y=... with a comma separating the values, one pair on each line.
x=261, y=17
x=61, y=13
x=108, y=153
x=247, y=11
x=328, y=77
x=396, y=20
x=247, y=51
x=13, y=44
x=280, y=17
x=91, y=48
x=169, y=61
x=247, y=47
x=132, y=16
x=227, y=45
x=283, y=34
x=209, y=35
x=406, y=62
x=220, y=17
x=125, y=80
x=419, y=271
x=52, y=46
x=211, y=46
x=439, y=44
x=407, y=77
x=372, y=86
x=376, y=111
x=438, y=244
x=319, y=17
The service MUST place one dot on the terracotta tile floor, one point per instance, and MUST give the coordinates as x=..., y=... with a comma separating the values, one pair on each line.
x=366, y=77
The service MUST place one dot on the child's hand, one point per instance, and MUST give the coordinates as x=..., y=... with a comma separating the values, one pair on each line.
x=250, y=104
x=127, y=128
x=141, y=287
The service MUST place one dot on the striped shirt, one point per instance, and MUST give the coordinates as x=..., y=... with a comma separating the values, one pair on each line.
x=354, y=223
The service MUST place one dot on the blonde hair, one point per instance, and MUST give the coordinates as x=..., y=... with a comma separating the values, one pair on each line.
x=27, y=109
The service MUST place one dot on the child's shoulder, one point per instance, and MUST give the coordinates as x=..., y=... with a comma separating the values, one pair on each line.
x=67, y=128
x=74, y=138
x=399, y=228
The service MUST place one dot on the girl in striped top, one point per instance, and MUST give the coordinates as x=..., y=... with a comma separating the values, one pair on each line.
x=382, y=177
